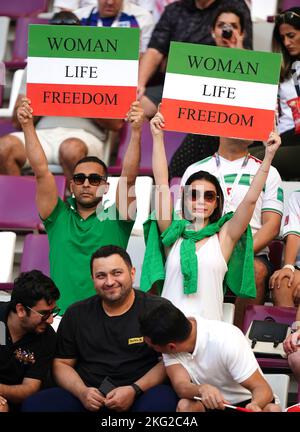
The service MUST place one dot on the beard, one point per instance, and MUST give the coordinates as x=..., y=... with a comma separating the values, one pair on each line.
x=89, y=204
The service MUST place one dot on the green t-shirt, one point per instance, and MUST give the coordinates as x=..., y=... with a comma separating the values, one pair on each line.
x=73, y=240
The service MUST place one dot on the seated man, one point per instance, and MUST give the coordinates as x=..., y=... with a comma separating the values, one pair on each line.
x=285, y=283
x=99, y=338
x=27, y=341
x=206, y=359
x=65, y=140
x=77, y=228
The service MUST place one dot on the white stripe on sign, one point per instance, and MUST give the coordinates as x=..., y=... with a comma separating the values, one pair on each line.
x=220, y=91
x=82, y=71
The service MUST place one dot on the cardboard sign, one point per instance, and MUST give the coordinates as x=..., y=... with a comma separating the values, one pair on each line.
x=82, y=71
x=220, y=91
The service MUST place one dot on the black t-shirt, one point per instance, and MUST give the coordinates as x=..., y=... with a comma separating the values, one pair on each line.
x=107, y=346
x=29, y=357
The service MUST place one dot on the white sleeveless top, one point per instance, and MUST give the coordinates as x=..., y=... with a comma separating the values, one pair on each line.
x=212, y=267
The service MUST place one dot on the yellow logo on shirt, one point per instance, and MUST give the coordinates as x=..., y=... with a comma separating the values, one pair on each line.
x=135, y=340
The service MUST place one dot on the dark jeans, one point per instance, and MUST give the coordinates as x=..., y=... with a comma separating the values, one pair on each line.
x=160, y=398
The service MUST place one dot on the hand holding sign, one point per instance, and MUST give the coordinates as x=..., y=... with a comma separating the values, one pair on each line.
x=272, y=145
x=157, y=124
x=24, y=113
x=136, y=115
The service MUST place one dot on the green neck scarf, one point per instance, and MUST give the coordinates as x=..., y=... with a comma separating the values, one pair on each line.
x=240, y=275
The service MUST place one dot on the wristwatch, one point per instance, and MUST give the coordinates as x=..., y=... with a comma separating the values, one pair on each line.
x=137, y=389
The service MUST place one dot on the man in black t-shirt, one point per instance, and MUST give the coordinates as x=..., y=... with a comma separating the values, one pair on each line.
x=27, y=341
x=100, y=342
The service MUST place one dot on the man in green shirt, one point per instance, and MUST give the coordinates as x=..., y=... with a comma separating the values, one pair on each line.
x=77, y=228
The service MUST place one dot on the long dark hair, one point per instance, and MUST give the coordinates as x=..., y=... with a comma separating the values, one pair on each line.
x=204, y=175
x=277, y=43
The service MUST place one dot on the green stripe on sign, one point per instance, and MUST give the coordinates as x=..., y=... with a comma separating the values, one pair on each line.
x=280, y=194
x=217, y=62
x=83, y=42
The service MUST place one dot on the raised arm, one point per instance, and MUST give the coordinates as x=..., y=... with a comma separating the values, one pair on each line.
x=148, y=64
x=46, y=195
x=125, y=199
x=235, y=227
x=163, y=200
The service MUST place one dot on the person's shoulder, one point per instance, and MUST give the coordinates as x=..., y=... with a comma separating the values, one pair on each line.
x=150, y=300
x=82, y=306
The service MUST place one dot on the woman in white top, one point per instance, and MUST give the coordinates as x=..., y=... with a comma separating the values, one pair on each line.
x=202, y=210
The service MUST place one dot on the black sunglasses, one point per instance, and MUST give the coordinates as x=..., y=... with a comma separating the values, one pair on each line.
x=289, y=15
x=209, y=196
x=46, y=314
x=94, y=179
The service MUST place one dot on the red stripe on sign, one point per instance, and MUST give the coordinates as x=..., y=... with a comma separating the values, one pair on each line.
x=80, y=101
x=220, y=120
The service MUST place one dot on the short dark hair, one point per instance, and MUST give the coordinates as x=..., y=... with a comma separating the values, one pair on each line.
x=165, y=324
x=107, y=251
x=204, y=175
x=93, y=159
x=64, y=18
x=229, y=9
x=32, y=286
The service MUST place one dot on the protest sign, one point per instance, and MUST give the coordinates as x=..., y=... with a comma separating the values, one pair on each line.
x=220, y=91
x=82, y=71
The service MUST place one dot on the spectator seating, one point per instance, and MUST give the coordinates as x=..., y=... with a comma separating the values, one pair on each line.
x=20, y=46
x=228, y=312
x=4, y=26
x=15, y=89
x=143, y=193
x=286, y=4
x=279, y=314
x=136, y=250
x=280, y=386
x=17, y=8
x=6, y=125
x=35, y=256
x=35, y=253
x=172, y=141
x=7, y=251
x=17, y=202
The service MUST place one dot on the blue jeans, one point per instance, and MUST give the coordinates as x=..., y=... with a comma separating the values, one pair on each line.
x=161, y=398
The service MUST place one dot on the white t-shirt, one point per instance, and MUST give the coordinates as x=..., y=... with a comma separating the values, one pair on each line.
x=73, y=4
x=292, y=219
x=208, y=300
x=222, y=357
x=142, y=16
x=271, y=198
x=287, y=91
